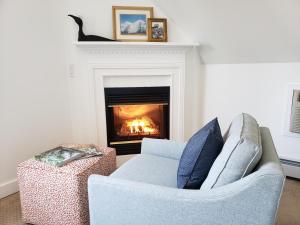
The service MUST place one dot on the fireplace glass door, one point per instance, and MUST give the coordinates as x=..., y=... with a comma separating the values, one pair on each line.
x=138, y=121
x=135, y=113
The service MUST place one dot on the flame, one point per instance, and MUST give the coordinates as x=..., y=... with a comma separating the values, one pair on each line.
x=137, y=120
x=143, y=125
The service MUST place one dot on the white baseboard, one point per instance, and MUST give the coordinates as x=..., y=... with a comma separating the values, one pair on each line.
x=291, y=168
x=8, y=188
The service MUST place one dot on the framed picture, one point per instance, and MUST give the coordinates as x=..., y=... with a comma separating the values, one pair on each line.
x=130, y=23
x=157, y=30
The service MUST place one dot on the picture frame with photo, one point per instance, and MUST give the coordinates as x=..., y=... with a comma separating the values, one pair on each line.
x=130, y=22
x=157, y=30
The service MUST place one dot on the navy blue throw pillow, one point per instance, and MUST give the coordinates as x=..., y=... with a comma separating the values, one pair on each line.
x=198, y=156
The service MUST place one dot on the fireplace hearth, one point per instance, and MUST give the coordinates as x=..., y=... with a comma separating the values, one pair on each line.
x=134, y=113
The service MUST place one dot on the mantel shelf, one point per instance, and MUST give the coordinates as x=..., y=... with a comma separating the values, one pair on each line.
x=94, y=44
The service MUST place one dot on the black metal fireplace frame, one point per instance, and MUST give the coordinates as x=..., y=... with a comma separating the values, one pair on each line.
x=130, y=96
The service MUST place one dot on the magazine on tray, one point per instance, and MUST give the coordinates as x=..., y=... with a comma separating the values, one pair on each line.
x=60, y=155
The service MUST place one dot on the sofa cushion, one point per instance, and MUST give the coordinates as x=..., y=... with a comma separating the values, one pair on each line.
x=163, y=148
x=241, y=152
x=149, y=169
x=198, y=156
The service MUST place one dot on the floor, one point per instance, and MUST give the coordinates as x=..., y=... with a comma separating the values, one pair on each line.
x=289, y=209
x=288, y=214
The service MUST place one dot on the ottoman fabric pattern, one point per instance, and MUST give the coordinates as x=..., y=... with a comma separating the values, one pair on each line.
x=58, y=195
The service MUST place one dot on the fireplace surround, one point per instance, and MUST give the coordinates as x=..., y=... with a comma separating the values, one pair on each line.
x=133, y=113
x=98, y=66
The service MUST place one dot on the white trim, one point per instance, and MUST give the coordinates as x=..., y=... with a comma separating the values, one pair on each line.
x=117, y=64
x=8, y=188
x=123, y=43
x=291, y=171
x=135, y=75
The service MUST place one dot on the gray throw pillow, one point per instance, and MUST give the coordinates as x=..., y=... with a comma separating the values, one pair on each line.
x=241, y=152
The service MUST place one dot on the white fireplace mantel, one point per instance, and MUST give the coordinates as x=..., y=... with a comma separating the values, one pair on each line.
x=135, y=44
x=124, y=64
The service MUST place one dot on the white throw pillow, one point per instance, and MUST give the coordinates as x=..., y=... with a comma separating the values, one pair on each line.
x=240, y=154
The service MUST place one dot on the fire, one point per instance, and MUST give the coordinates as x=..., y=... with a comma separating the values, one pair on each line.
x=140, y=126
x=137, y=120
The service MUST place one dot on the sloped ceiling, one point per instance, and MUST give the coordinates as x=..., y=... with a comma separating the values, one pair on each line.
x=239, y=31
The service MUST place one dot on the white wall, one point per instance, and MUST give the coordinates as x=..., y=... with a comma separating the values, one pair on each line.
x=33, y=84
x=36, y=50
x=258, y=89
x=97, y=19
x=212, y=90
x=229, y=34
x=233, y=31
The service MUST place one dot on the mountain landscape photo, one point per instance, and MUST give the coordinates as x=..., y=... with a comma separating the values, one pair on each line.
x=133, y=24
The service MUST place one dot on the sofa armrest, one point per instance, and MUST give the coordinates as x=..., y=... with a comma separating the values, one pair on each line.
x=162, y=147
x=252, y=200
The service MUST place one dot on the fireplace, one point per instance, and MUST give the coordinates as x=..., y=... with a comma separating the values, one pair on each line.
x=134, y=113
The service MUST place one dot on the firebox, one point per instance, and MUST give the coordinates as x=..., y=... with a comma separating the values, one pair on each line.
x=134, y=113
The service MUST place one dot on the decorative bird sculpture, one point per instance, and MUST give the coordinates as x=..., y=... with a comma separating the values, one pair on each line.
x=82, y=36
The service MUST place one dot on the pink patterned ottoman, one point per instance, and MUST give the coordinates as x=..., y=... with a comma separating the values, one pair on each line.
x=58, y=195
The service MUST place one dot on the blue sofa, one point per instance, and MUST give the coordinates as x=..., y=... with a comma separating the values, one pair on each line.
x=144, y=191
